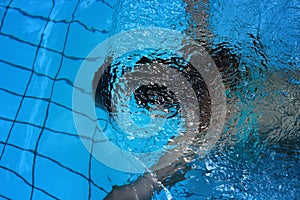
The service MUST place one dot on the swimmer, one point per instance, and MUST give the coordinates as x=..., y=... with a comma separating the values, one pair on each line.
x=270, y=118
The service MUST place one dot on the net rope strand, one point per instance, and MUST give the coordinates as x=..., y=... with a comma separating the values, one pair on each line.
x=31, y=71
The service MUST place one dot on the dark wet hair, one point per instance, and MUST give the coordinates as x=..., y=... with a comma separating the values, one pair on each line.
x=226, y=62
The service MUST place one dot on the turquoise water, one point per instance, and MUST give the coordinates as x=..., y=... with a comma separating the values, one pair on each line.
x=43, y=44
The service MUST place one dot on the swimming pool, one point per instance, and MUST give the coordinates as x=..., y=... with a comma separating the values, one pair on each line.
x=44, y=45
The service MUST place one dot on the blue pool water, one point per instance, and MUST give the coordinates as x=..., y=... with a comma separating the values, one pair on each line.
x=43, y=45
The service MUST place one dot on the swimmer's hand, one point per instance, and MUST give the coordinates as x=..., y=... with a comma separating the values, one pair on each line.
x=142, y=189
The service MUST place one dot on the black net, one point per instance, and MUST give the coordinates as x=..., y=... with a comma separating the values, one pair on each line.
x=38, y=64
